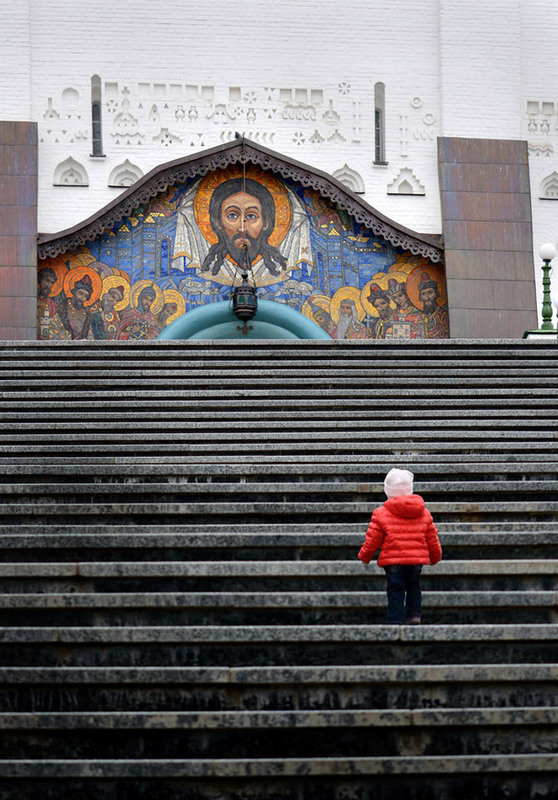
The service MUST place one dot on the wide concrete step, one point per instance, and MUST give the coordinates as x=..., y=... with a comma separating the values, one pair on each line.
x=122, y=720
x=310, y=421
x=379, y=464
x=330, y=767
x=273, y=360
x=188, y=403
x=259, y=608
x=273, y=541
x=224, y=382
x=431, y=470
x=277, y=645
x=503, y=347
x=277, y=688
x=259, y=374
x=337, y=393
x=290, y=449
x=286, y=511
x=335, y=778
x=259, y=576
x=35, y=417
x=276, y=734
x=245, y=489
x=245, y=434
x=267, y=568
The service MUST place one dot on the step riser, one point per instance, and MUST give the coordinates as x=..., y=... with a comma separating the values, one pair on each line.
x=311, y=787
x=452, y=552
x=350, y=616
x=273, y=653
x=101, y=697
x=367, y=583
x=272, y=743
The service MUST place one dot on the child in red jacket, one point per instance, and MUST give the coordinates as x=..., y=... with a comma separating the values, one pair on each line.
x=404, y=531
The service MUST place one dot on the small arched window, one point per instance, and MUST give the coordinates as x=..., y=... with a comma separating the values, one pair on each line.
x=379, y=124
x=96, y=119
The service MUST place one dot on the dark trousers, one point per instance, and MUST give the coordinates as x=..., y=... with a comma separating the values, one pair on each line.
x=403, y=592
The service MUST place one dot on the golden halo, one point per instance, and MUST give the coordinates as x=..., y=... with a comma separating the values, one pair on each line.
x=81, y=259
x=111, y=282
x=407, y=262
x=207, y=185
x=60, y=270
x=136, y=290
x=381, y=280
x=346, y=293
x=74, y=275
x=400, y=277
x=321, y=300
x=123, y=273
x=433, y=272
x=172, y=296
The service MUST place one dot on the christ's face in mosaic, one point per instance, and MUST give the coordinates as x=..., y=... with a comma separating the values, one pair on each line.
x=241, y=220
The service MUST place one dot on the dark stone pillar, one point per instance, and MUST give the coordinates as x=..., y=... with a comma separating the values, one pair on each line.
x=488, y=239
x=18, y=230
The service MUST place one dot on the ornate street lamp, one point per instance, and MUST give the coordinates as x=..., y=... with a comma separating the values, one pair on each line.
x=547, y=253
x=245, y=297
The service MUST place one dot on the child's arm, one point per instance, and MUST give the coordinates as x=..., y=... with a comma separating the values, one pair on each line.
x=374, y=538
x=433, y=542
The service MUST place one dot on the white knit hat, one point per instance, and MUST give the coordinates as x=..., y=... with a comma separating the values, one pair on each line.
x=398, y=482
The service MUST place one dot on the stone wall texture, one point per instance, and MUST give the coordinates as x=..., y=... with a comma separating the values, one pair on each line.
x=18, y=231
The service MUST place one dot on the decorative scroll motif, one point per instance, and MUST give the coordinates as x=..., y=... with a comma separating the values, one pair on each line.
x=160, y=180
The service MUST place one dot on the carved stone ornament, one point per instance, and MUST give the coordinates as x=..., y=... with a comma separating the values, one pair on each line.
x=238, y=151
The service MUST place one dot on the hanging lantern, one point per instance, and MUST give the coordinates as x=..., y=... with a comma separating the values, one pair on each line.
x=245, y=298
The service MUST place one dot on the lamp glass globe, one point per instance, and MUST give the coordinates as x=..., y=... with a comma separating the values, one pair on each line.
x=547, y=251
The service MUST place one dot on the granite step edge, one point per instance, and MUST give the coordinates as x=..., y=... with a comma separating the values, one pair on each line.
x=272, y=600
x=277, y=768
x=280, y=634
x=294, y=674
x=262, y=720
x=251, y=568
x=270, y=540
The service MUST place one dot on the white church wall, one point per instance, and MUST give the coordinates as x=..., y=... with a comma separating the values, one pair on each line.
x=15, y=48
x=539, y=124
x=296, y=77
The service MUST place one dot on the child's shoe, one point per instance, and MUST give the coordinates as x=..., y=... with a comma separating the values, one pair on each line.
x=413, y=621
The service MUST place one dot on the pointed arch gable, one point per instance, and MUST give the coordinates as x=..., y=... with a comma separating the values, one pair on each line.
x=237, y=152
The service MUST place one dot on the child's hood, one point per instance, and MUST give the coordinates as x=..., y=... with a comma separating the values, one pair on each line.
x=407, y=505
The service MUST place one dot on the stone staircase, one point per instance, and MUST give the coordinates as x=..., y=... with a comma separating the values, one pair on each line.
x=183, y=613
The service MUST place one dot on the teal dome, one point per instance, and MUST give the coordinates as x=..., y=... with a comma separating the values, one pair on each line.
x=217, y=321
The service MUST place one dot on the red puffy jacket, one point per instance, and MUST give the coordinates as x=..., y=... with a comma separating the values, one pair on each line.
x=404, y=530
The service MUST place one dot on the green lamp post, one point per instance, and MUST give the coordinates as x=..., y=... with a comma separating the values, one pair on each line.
x=547, y=253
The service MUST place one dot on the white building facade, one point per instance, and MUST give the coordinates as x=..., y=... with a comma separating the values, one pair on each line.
x=361, y=91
